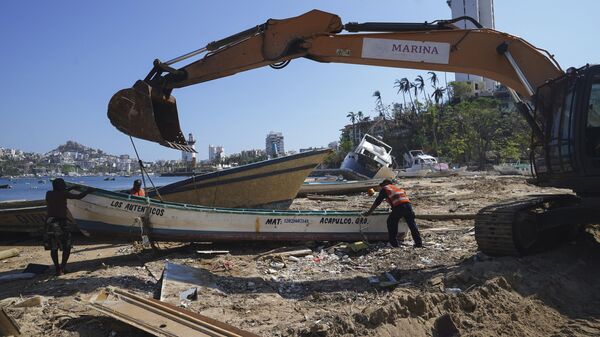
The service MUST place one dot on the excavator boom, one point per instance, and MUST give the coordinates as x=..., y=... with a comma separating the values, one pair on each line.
x=149, y=111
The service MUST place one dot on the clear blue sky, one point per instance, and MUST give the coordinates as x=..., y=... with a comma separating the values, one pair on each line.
x=63, y=60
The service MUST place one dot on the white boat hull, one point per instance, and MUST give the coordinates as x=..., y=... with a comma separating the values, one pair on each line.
x=105, y=213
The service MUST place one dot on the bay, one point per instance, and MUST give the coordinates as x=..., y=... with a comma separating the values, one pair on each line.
x=35, y=188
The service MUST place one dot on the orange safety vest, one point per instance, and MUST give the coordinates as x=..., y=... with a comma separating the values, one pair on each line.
x=395, y=195
x=139, y=193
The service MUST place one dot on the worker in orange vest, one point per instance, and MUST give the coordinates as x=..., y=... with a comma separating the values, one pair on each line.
x=137, y=189
x=401, y=207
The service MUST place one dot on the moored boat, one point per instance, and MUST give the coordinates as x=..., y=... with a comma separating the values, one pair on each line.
x=269, y=184
x=114, y=214
x=22, y=216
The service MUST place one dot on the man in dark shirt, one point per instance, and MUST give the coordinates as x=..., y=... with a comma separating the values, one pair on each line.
x=401, y=207
x=57, y=234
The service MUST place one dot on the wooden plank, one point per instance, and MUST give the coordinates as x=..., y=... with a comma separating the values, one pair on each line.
x=160, y=319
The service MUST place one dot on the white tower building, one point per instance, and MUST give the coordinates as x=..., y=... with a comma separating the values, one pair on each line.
x=483, y=12
x=189, y=157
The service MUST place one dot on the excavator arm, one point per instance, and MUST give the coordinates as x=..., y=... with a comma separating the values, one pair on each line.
x=148, y=110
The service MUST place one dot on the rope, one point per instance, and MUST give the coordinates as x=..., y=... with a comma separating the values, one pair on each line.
x=145, y=219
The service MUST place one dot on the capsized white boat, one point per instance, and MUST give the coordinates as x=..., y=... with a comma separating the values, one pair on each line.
x=115, y=214
x=371, y=158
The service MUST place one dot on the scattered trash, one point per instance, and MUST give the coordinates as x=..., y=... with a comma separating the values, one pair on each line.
x=453, y=291
x=8, y=326
x=284, y=252
x=5, y=254
x=35, y=301
x=178, y=279
x=277, y=265
x=293, y=258
x=190, y=294
x=212, y=252
x=426, y=260
x=358, y=246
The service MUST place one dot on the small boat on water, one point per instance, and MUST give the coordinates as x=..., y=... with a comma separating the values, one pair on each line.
x=269, y=184
x=338, y=187
x=115, y=214
x=371, y=158
x=5, y=186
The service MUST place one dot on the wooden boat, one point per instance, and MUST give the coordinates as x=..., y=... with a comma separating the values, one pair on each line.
x=22, y=216
x=271, y=184
x=115, y=214
x=338, y=187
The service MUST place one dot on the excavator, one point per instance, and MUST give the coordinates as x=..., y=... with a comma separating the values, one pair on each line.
x=561, y=107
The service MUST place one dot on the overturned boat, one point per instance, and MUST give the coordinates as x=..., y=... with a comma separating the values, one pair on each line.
x=270, y=184
x=113, y=214
x=372, y=158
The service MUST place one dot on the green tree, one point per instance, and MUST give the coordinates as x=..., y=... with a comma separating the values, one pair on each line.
x=352, y=116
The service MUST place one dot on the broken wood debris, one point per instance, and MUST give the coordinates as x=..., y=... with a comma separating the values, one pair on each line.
x=5, y=254
x=8, y=326
x=157, y=318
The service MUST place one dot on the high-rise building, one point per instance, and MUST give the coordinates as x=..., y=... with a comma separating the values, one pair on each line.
x=215, y=152
x=483, y=12
x=189, y=157
x=274, y=144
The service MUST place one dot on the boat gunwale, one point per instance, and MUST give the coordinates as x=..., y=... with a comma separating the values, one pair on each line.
x=202, y=177
x=243, y=211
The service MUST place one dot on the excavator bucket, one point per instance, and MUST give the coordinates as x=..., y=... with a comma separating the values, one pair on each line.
x=144, y=112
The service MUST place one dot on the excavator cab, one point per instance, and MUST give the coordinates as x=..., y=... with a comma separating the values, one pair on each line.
x=568, y=108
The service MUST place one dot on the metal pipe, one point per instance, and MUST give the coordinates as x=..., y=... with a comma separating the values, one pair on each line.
x=520, y=74
x=186, y=56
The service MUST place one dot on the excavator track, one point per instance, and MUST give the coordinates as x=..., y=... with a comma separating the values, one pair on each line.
x=510, y=228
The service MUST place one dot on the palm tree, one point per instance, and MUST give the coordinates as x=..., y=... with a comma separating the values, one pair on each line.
x=405, y=85
x=420, y=84
x=438, y=95
x=400, y=85
x=379, y=107
x=352, y=117
x=433, y=78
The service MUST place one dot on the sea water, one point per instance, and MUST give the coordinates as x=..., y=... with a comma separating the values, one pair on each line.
x=35, y=188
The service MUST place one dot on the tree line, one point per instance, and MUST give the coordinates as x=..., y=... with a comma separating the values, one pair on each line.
x=448, y=121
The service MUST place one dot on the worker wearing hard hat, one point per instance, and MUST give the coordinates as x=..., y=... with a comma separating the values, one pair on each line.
x=401, y=207
x=137, y=189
